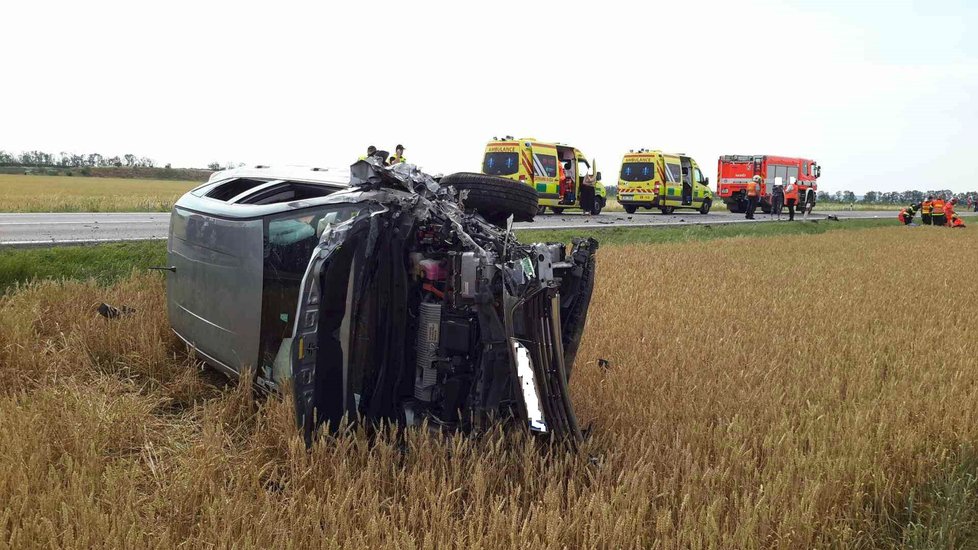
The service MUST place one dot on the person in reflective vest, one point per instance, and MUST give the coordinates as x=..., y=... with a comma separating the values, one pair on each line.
x=569, y=194
x=906, y=215
x=562, y=184
x=956, y=221
x=926, y=208
x=753, y=195
x=937, y=215
x=370, y=152
x=949, y=211
x=398, y=156
x=791, y=199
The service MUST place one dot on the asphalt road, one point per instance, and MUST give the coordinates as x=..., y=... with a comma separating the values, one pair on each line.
x=68, y=228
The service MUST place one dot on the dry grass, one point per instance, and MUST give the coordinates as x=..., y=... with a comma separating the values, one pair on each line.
x=19, y=193
x=774, y=425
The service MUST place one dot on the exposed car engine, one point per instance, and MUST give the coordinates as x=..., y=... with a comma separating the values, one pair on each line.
x=416, y=310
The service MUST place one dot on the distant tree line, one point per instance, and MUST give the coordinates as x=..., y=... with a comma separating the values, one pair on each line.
x=42, y=159
x=891, y=197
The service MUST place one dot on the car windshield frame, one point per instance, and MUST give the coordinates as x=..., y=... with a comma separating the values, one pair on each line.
x=287, y=249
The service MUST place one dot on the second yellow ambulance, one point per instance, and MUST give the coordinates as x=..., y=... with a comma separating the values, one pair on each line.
x=653, y=179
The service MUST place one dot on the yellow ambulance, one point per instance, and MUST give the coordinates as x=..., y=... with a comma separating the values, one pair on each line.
x=653, y=179
x=540, y=165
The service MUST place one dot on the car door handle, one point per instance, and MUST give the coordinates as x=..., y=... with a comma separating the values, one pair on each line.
x=171, y=269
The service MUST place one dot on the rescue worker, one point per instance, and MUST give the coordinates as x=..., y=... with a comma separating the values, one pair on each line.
x=561, y=186
x=791, y=199
x=753, y=195
x=398, y=156
x=956, y=221
x=371, y=150
x=926, y=208
x=906, y=215
x=570, y=196
x=949, y=210
x=937, y=215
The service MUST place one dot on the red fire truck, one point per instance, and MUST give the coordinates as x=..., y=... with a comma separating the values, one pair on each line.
x=734, y=171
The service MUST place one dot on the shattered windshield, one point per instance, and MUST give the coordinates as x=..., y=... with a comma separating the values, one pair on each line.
x=289, y=241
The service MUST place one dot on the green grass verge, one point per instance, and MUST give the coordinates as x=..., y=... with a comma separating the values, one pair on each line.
x=637, y=235
x=104, y=263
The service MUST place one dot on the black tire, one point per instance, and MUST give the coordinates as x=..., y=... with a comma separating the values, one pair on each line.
x=598, y=205
x=705, y=208
x=630, y=208
x=557, y=210
x=494, y=197
x=736, y=208
x=667, y=209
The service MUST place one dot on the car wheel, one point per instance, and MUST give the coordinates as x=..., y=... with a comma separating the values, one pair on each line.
x=667, y=209
x=630, y=208
x=705, y=209
x=598, y=205
x=557, y=210
x=494, y=197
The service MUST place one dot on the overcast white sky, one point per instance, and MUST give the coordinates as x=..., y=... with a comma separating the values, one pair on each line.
x=881, y=93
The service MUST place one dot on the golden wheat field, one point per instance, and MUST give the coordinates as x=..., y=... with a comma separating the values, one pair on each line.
x=797, y=396
x=20, y=193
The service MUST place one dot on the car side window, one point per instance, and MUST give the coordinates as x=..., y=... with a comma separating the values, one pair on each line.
x=673, y=172
x=290, y=239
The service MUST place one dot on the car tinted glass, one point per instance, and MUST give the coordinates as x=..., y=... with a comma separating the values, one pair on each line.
x=232, y=188
x=289, y=241
x=500, y=164
x=287, y=192
x=637, y=171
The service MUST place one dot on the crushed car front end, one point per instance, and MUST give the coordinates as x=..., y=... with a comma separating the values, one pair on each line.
x=412, y=309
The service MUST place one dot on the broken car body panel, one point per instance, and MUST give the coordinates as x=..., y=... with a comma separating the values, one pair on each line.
x=407, y=308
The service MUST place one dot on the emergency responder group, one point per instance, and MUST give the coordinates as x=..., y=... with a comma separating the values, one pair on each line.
x=933, y=211
x=397, y=158
x=786, y=195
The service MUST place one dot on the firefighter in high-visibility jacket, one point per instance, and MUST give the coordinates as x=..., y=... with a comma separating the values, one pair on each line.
x=371, y=151
x=926, y=208
x=398, y=156
x=949, y=211
x=791, y=199
x=937, y=215
x=906, y=215
x=956, y=221
x=753, y=196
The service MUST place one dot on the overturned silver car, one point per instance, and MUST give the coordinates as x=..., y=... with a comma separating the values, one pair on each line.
x=382, y=294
